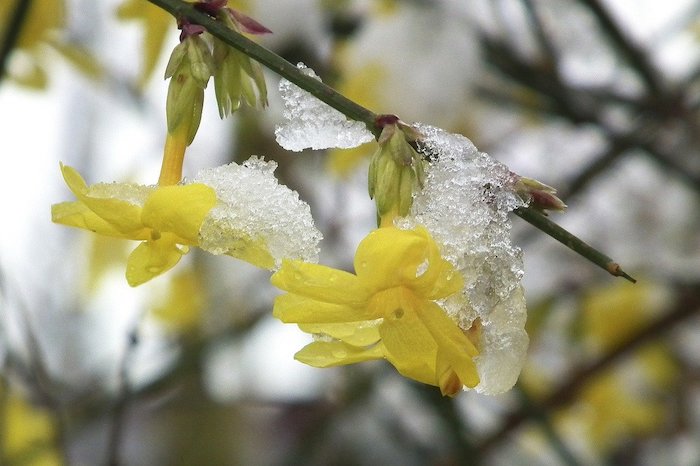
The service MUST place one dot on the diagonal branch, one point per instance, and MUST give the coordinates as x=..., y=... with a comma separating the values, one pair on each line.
x=180, y=9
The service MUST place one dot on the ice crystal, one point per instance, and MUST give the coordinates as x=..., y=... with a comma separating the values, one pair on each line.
x=310, y=123
x=252, y=205
x=465, y=205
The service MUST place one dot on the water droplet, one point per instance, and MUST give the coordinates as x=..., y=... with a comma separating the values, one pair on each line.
x=339, y=353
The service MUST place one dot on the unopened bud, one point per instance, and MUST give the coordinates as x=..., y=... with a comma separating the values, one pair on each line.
x=237, y=78
x=189, y=69
x=538, y=195
x=395, y=172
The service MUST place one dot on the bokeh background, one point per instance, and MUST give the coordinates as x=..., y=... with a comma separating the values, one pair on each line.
x=599, y=98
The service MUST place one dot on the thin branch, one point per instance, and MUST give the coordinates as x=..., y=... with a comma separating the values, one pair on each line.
x=634, y=55
x=274, y=62
x=14, y=27
x=354, y=111
x=544, y=419
x=118, y=424
x=572, y=242
x=687, y=306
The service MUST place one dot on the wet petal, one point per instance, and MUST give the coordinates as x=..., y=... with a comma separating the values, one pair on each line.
x=152, y=258
x=179, y=209
x=124, y=216
x=294, y=308
x=336, y=353
x=77, y=214
x=389, y=257
x=354, y=333
x=320, y=282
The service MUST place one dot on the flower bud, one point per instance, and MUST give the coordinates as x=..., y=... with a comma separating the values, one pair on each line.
x=395, y=172
x=538, y=195
x=236, y=77
x=189, y=69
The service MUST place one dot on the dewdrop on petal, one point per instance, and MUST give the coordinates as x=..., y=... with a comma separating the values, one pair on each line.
x=254, y=211
x=310, y=123
x=465, y=204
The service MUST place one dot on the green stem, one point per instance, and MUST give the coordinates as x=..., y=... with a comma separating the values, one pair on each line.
x=356, y=112
x=572, y=242
x=272, y=61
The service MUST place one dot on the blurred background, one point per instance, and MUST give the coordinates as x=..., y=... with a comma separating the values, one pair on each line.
x=598, y=98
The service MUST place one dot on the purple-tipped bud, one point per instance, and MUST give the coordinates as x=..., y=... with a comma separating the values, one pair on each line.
x=246, y=23
x=538, y=195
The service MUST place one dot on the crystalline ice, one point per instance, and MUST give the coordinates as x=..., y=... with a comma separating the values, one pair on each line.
x=135, y=194
x=253, y=206
x=313, y=124
x=465, y=205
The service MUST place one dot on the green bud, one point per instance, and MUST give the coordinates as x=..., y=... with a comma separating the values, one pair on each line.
x=395, y=172
x=189, y=69
x=406, y=186
x=237, y=79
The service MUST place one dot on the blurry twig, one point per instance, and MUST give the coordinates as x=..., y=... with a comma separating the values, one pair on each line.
x=352, y=110
x=636, y=56
x=118, y=425
x=447, y=408
x=14, y=27
x=687, y=306
x=543, y=417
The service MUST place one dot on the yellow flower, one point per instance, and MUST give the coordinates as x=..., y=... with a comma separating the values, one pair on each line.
x=156, y=23
x=237, y=210
x=165, y=218
x=27, y=433
x=386, y=310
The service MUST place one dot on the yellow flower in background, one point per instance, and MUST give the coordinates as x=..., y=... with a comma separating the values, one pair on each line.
x=166, y=219
x=180, y=307
x=156, y=23
x=386, y=309
x=41, y=19
x=26, y=433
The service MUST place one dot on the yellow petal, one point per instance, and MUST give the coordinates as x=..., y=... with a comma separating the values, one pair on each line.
x=293, y=308
x=252, y=251
x=389, y=257
x=439, y=278
x=179, y=209
x=320, y=282
x=124, y=216
x=76, y=214
x=423, y=343
x=152, y=258
x=336, y=353
x=363, y=333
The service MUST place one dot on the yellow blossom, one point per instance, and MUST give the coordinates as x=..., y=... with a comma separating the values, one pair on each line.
x=27, y=434
x=156, y=22
x=165, y=218
x=387, y=309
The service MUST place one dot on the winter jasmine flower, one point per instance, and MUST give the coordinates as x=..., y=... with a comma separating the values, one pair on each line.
x=389, y=308
x=236, y=210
